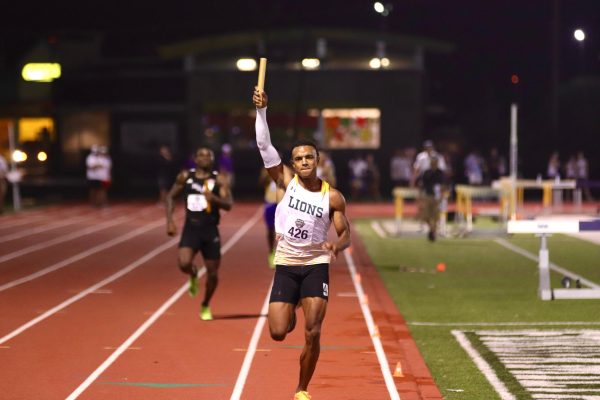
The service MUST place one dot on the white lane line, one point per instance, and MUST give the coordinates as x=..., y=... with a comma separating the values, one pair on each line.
x=44, y=228
x=483, y=366
x=62, y=222
x=89, y=290
x=243, y=375
x=82, y=255
x=550, y=323
x=63, y=238
x=19, y=222
x=72, y=235
x=123, y=347
x=552, y=266
x=378, y=230
x=381, y=357
x=127, y=343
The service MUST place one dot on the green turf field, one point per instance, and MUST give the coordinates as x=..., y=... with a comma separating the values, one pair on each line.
x=485, y=287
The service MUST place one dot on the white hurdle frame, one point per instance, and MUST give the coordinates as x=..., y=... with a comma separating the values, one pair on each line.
x=543, y=229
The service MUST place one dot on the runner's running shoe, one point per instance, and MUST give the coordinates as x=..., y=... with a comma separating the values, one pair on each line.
x=302, y=395
x=193, y=289
x=205, y=314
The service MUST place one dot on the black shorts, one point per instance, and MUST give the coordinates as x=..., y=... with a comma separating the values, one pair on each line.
x=202, y=238
x=95, y=183
x=293, y=282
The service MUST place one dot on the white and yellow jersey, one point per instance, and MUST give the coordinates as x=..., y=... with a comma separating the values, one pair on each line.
x=301, y=223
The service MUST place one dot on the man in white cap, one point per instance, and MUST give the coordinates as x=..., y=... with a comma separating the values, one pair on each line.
x=423, y=161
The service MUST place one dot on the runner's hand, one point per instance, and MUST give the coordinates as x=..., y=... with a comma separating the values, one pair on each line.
x=332, y=247
x=259, y=98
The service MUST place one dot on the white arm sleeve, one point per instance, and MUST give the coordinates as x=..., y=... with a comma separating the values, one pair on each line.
x=268, y=153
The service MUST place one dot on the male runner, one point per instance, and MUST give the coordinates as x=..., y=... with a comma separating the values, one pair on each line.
x=205, y=193
x=303, y=253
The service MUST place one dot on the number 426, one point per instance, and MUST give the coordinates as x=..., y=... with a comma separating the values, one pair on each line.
x=298, y=233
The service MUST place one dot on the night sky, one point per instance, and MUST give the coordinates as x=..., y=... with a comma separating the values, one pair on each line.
x=493, y=39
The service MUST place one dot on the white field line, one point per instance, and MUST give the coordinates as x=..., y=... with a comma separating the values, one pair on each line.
x=552, y=266
x=483, y=366
x=63, y=238
x=589, y=236
x=381, y=357
x=82, y=255
x=550, y=323
x=161, y=310
x=249, y=357
x=378, y=230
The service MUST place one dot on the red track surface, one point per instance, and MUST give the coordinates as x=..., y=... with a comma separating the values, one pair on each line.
x=50, y=349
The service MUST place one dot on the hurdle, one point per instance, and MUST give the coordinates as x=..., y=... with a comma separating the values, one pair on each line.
x=543, y=229
x=400, y=194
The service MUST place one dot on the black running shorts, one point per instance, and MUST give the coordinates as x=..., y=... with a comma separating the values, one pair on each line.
x=202, y=238
x=293, y=282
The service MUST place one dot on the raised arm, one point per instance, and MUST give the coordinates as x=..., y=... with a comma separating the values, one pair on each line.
x=269, y=154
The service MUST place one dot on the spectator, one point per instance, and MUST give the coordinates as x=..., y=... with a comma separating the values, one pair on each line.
x=582, y=175
x=358, y=173
x=400, y=168
x=496, y=165
x=104, y=175
x=553, y=169
x=423, y=161
x=433, y=191
x=474, y=168
x=92, y=163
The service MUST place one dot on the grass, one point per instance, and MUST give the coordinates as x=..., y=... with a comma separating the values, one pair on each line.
x=483, y=283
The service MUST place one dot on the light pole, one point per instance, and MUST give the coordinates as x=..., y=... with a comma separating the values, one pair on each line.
x=579, y=35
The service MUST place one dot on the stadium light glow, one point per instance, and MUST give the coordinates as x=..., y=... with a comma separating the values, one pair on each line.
x=385, y=62
x=246, y=64
x=375, y=63
x=579, y=35
x=311, y=63
x=42, y=156
x=19, y=156
x=379, y=7
x=41, y=72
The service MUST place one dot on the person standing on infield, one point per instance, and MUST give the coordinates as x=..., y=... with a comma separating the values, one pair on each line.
x=205, y=192
x=303, y=253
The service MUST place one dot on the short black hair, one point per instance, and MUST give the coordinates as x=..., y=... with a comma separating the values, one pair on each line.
x=304, y=142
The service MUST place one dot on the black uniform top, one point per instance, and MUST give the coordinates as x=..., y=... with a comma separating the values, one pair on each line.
x=430, y=179
x=197, y=210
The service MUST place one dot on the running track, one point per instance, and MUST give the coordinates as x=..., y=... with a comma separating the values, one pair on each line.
x=92, y=306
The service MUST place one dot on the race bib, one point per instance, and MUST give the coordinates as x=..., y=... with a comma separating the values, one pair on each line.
x=196, y=202
x=298, y=230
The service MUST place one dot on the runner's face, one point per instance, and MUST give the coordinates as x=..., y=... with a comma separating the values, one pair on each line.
x=204, y=158
x=304, y=161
